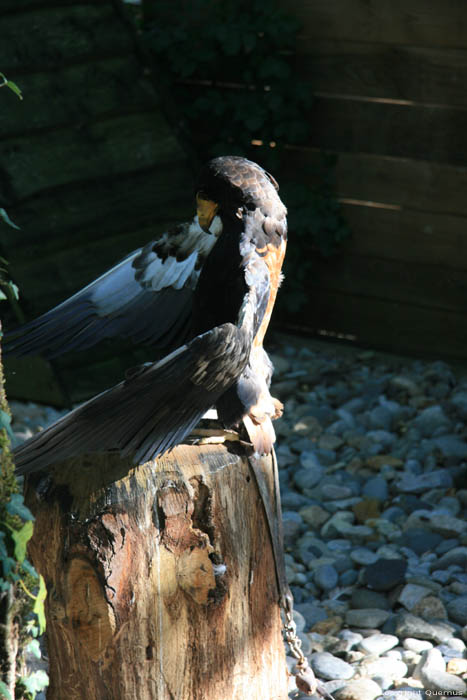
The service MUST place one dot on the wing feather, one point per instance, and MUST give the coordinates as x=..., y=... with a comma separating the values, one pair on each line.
x=146, y=297
x=153, y=411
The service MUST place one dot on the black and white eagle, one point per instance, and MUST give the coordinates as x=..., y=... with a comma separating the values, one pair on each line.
x=210, y=285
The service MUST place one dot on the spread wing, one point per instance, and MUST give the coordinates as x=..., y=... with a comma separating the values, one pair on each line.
x=159, y=405
x=146, y=297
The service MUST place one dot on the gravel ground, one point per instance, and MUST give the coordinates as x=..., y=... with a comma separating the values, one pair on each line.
x=372, y=451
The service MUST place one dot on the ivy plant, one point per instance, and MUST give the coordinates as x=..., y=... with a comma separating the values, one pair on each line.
x=22, y=589
x=232, y=69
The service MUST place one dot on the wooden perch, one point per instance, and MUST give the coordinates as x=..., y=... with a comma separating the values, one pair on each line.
x=161, y=580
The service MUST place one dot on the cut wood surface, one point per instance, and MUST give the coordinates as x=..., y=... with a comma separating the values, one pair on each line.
x=161, y=581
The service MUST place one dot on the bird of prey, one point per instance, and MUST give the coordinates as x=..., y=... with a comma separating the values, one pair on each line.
x=224, y=364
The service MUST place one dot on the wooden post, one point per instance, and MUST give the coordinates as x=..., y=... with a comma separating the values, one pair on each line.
x=161, y=581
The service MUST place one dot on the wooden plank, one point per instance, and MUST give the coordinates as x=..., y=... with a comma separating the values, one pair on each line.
x=412, y=22
x=99, y=208
x=428, y=75
x=414, y=237
x=49, y=37
x=431, y=286
x=74, y=94
x=408, y=131
x=384, y=324
x=107, y=148
x=413, y=184
x=18, y=6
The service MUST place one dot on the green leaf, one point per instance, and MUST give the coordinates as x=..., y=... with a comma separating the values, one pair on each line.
x=5, y=422
x=7, y=220
x=9, y=566
x=14, y=290
x=21, y=539
x=2, y=295
x=34, y=648
x=36, y=682
x=29, y=569
x=16, y=506
x=4, y=692
x=38, y=608
x=13, y=86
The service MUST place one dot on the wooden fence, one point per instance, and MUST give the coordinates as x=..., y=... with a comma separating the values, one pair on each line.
x=90, y=168
x=390, y=79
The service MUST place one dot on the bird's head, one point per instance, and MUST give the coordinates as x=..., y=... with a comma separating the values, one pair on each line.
x=229, y=184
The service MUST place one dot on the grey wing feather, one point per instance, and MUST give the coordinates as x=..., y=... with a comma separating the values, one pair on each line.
x=146, y=297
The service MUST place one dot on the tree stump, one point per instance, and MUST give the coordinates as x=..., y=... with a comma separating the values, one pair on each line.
x=161, y=580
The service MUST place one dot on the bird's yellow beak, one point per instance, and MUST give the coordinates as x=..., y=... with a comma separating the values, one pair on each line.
x=206, y=210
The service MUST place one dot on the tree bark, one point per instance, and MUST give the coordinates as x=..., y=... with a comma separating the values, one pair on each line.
x=161, y=580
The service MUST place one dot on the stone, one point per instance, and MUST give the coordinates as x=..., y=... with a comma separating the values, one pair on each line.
x=307, y=426
x=314, y=515
x=307, y=478
x=329, y=626
x=292, y=526
x=332, y=492
x=431, y=670
x=457, y=556
x=457, y=610
x=385, y=667
x=417, y=645
x=420, y=541
x=457, y=644
x=348, y=578
x=366, y=617
x=329, y=667
x=292, y=500
x=325, y=577
x=376, y=488
x=385, y=574
x=378, y=644
x=312, y=613
x=457, y=666
x=393, y=513
x=408, y=625
x=430, y=608
x=367, y=508
x=359, y=689
x=411, y=594
x=349, y=639
x=363, y=556
x=364, y=598
x=419, y=483
x=327, y=441
x=447, y=525
x=378, y=461
x=459, y=401
x=451, y=446
x=430, y=419
x=380, y=417
x=452, y=504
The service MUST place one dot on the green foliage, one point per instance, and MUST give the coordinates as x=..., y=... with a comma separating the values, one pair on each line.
x=11, y=85
x=18, y=606
x=231, y=68
x=21, y=611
